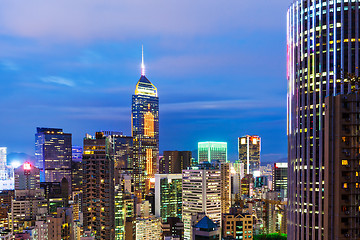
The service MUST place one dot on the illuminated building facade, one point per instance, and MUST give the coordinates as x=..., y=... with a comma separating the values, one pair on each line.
x=322, y=59
x=120, y=150
x=238, y=226
x=225, y=187
x=27, y=177
x=148, y=228
x=174, y=161
x=249, y=153
x=211, y=151
x=201, y=193
x=27, y=207
x=342, y=179
x=53, y=152
x=98, y=180
x=145, y=133
x=168, y=196
x=280, y=179
x=76, y=168
x=6, y=172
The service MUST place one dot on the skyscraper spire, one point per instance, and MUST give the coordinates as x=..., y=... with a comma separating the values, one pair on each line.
x=142, y=61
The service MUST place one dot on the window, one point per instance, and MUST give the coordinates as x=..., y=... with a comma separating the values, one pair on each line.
x=345, y=185
x=344, y=162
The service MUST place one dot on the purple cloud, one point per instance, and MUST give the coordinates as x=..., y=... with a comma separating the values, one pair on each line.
x=97, y=19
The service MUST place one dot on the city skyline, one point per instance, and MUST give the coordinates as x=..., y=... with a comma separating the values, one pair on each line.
x=86, y=87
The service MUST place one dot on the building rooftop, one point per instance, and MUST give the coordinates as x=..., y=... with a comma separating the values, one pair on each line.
x=145, y=87
x=206, y=223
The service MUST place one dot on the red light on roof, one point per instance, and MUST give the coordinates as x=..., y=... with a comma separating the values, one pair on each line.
x=27, y=166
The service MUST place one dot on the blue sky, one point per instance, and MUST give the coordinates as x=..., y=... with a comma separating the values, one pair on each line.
x=219, y=66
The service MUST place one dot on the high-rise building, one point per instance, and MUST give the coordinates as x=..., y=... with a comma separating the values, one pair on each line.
x=145, y=133
x=148, y=228
x=322, y=59
x=53, y=152
x=201, y=193
x=280, y=179
x=225, y=187
x=28, y=206
x=174, y=161
x=77, y=153
x=76, y=169
x=27, y=177
x=6, y=172
x=212, y=151
x=342, y=181
x=168, y=195
x=60, y=226
x=98, y=180
x=120, y=150
x=249, y=153
x=247, y=184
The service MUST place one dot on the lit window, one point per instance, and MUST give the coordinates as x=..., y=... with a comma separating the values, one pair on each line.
x=344, y=162
x=345, y=185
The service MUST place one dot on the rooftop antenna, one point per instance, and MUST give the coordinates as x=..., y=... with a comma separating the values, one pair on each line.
x=142, y=61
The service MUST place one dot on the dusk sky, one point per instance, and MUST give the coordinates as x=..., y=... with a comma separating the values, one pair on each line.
x=219, y=66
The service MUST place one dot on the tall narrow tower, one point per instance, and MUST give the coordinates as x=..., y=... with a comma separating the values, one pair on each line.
x=145, y=132
x=322, y=53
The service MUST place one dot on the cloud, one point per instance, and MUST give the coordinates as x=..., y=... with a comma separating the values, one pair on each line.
x=221, y=105
x=58, y=80
x=97, y=19
x=9, y=65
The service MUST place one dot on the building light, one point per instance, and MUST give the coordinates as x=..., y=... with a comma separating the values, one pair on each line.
x=27, y=166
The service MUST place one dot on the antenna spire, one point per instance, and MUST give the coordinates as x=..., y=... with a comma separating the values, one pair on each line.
x=142, y=61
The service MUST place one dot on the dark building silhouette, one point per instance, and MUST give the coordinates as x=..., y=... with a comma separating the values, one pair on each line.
x=174, y=161
x=98, y=184
x=342, y=181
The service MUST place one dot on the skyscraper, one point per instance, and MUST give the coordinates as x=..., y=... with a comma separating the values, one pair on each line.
x=98, y=185
x=174, y=161
x=6, y=172
x=225, y=187
x=211, y=151
x=53, y=152
x=249, y=153
x=145, y=132
x=201, y=194
x=27, y=177
x=168, y=195
x=280, y=179
x=342, y=181
x=120, y=149
x=323, y=57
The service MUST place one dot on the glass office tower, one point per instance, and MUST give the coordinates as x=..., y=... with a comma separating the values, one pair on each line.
x=212, y=151
x=322, y=59
x=53, y=152
x=145, y=133
x=249, y=153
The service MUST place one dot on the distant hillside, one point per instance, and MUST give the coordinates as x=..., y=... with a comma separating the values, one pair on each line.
x=20, y=158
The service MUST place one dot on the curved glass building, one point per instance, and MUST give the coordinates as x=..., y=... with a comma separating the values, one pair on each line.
x=322, y=57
